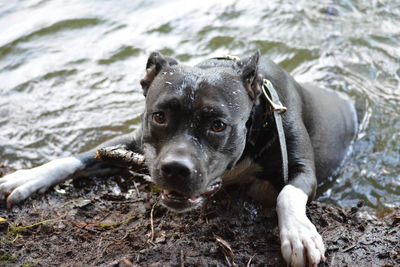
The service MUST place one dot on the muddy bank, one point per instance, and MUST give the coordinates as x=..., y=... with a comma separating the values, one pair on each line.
x=118, y=222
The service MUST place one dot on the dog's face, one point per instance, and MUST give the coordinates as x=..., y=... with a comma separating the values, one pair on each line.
x=194, y=126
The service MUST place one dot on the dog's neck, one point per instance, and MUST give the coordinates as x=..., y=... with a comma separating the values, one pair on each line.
x=261, y=131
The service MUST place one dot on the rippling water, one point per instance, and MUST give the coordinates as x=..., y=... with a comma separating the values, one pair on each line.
x=70, y=71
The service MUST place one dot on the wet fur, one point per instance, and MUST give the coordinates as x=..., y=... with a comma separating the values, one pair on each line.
x=319, y=128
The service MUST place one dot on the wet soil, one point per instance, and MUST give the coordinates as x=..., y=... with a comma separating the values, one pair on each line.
x=118, y=221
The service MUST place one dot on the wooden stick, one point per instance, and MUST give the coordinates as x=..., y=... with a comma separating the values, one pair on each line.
x=120, y=155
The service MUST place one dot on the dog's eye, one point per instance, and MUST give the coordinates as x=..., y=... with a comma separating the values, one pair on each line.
x=218, y=126
x=159, y=117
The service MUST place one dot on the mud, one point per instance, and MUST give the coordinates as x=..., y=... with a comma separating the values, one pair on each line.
x=118, y=222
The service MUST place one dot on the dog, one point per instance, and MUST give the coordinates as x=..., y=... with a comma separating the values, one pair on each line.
x=214, y=124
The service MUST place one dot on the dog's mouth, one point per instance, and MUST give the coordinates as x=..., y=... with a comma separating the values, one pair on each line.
x=181, y=203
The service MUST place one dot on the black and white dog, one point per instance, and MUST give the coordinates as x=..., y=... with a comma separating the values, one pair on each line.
x=209, y=125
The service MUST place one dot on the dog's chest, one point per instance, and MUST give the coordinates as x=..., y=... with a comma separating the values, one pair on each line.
x=245, y=172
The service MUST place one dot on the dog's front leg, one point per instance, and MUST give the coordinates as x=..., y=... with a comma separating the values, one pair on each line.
x=301, y=244
x=21, y=184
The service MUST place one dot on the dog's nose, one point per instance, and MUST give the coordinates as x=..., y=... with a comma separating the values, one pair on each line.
x=179, y=168
x=179, y=174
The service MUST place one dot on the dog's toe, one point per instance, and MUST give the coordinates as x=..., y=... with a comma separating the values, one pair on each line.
x=302, y=246
x=297, y=257
x=315, y=253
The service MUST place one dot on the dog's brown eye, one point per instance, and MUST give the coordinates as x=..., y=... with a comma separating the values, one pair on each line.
x=159, y=117
x=218, y=126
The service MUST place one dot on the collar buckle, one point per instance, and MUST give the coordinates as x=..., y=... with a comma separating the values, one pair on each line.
x=278, y=107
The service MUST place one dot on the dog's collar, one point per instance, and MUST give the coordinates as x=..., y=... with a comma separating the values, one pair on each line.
x=275, y=107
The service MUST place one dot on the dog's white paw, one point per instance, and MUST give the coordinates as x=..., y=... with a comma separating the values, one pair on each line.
x=21, y=184
x=301, y=244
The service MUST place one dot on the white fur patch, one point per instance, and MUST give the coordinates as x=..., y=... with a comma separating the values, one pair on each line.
x=23, y=183
x=300, y=241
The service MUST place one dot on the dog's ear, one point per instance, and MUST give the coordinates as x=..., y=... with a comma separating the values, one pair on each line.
x=250, y=77
x=155, y=63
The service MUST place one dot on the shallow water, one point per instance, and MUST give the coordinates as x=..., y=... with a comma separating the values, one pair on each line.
x=70, y=71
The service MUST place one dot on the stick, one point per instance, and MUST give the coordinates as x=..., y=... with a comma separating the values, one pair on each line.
x=120, y=155
x=227, y=250
x=152, y=222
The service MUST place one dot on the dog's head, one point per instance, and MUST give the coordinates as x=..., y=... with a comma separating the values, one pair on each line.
x=194, y=124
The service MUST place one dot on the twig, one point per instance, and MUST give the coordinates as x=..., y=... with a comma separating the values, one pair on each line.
x=18, y=229
x=15, y=239
x=182, y=259
x=227, y=250
x=349, y=248
x=137, y=189
x=120, y=155
x=250, y=260
x=152, y=222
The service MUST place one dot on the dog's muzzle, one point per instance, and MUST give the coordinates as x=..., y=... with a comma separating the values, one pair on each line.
x=180, y=203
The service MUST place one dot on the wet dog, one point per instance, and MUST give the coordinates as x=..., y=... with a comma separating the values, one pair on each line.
x=212, y=124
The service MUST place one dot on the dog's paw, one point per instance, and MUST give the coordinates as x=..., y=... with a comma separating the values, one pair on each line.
x=301, y=245
x=21, y=184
